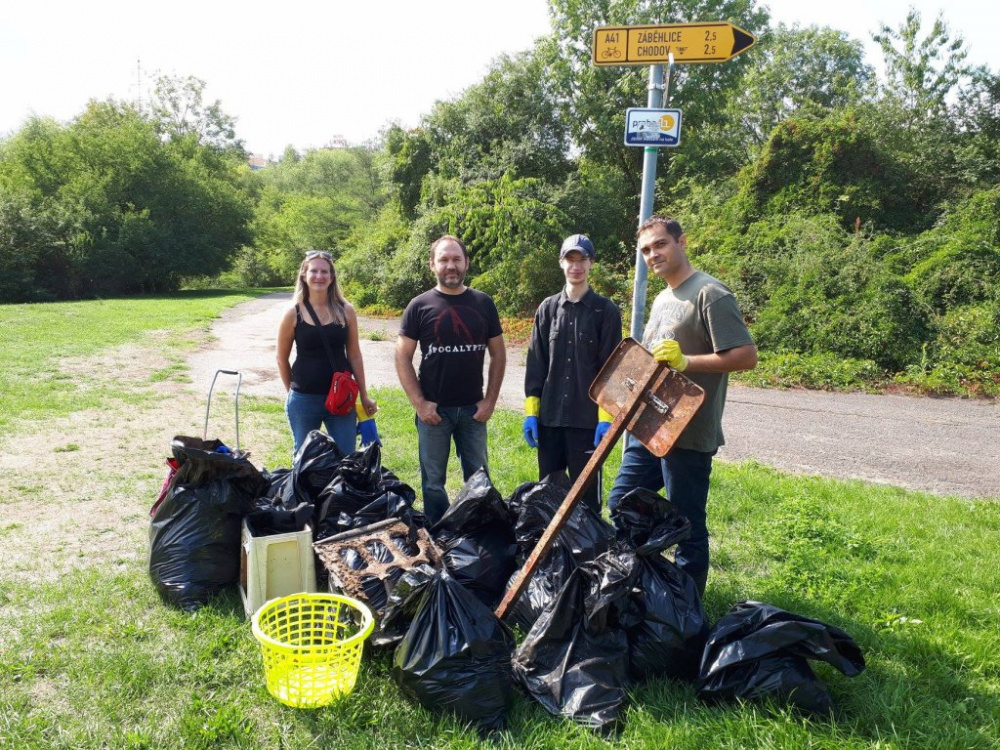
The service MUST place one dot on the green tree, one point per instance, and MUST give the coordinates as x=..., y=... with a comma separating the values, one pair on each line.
x=594, y=99
x=314, y=201
x=976, y=115
x=921, y=73
x=506, y=124
x=512, y=231
x=129, y=211
x=180, y=111
x=408, y=162
x=793, y=69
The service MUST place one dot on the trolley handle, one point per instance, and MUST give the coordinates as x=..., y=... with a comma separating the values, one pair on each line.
x=236, y=403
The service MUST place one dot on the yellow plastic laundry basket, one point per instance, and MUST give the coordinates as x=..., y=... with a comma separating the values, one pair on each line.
x=311, y=644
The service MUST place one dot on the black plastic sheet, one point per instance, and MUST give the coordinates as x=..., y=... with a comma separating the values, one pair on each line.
x=456, y=656
x=758, y=651
x=551, y=574
x=670, y=638
x=313, y=468
x=649, y=523
x=267, y=518
x=402, y=602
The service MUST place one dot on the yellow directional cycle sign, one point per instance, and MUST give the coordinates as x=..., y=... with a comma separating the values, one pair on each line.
x=652, y=45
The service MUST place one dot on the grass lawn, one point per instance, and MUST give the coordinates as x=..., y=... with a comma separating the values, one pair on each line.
x=94, y=659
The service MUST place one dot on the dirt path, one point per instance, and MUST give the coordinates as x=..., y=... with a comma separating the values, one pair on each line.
x=945, y=446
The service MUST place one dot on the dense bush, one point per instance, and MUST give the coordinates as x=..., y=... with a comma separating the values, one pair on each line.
x=838, y=164
x=958, y=262
x=964, y=357
x=827, y=372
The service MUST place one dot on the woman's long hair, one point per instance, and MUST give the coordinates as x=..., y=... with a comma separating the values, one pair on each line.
x=335, y=300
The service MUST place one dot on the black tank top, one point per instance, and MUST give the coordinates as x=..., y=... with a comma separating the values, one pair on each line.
x=311, y=370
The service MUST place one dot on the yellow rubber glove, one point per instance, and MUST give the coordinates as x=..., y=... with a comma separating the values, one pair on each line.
x=359, y=409
x=532, y=406
x=603, y=416
x=669, y=351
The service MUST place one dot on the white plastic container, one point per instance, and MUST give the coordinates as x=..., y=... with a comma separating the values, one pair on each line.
x=275, y=565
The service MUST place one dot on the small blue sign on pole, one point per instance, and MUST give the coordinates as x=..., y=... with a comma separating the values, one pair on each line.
x=652, y=127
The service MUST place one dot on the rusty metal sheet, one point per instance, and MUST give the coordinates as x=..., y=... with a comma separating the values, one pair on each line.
x=379, y=553
x=667, y=408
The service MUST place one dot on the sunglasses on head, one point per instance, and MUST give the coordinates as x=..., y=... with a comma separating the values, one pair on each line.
x=318, y=254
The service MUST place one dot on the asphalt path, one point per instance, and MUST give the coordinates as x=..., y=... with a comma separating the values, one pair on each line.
x=943, y=446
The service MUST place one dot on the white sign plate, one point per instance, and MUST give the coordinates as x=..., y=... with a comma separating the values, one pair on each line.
x=652, y=127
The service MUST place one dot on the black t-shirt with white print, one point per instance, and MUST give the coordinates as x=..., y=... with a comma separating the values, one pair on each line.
x=453, y=331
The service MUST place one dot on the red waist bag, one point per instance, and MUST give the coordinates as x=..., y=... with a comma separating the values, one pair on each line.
x=343, y=394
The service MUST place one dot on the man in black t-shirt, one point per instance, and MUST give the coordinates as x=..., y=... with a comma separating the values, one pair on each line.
x=455, y=327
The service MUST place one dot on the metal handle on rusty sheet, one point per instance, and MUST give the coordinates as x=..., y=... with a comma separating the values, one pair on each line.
x=580, y=486
x=236, y=403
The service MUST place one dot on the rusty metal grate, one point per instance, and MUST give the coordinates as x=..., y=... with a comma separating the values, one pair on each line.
x=365, y=563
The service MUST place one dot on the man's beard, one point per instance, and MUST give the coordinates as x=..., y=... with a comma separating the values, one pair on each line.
x=453, y=282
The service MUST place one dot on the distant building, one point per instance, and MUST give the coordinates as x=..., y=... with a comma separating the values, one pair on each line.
x=257, y=161
x=337, y=141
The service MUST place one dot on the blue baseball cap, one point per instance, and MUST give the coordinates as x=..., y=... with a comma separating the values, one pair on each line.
x=577, y=242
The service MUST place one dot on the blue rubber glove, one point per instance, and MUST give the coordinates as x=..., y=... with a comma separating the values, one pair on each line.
x=368, y=433
x=530, y=430
x=600, y=431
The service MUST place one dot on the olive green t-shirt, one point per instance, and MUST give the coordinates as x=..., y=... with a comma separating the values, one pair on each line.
x=703, y=316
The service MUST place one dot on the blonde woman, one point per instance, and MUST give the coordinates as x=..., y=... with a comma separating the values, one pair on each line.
x=307, y=379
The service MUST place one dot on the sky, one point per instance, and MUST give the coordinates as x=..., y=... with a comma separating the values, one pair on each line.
x=305, y=74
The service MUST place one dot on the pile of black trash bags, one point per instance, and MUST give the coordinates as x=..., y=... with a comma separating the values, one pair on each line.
x=194, y=534
x=604, y=610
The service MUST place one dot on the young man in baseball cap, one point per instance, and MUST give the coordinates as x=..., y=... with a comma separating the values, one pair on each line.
x=573, y=334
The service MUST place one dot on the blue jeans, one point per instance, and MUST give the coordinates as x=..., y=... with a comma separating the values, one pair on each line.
x=435, y=446
x=307, y=412
x=685, y=474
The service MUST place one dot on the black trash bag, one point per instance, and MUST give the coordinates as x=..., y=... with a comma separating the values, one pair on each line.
x=535, y=503
x=277, y=480
x=313, y=468
x=194, y=535
x=647, y=522
x=361, y=492
x=268, y=517
x=760, y=651
x=476, y=538
x=551, y=574
x=402, y=603
x=456, y=656
x=387, y=505
x=574, y=660
x=670, y=638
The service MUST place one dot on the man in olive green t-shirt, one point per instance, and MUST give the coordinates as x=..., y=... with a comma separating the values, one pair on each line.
x=697, y=328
